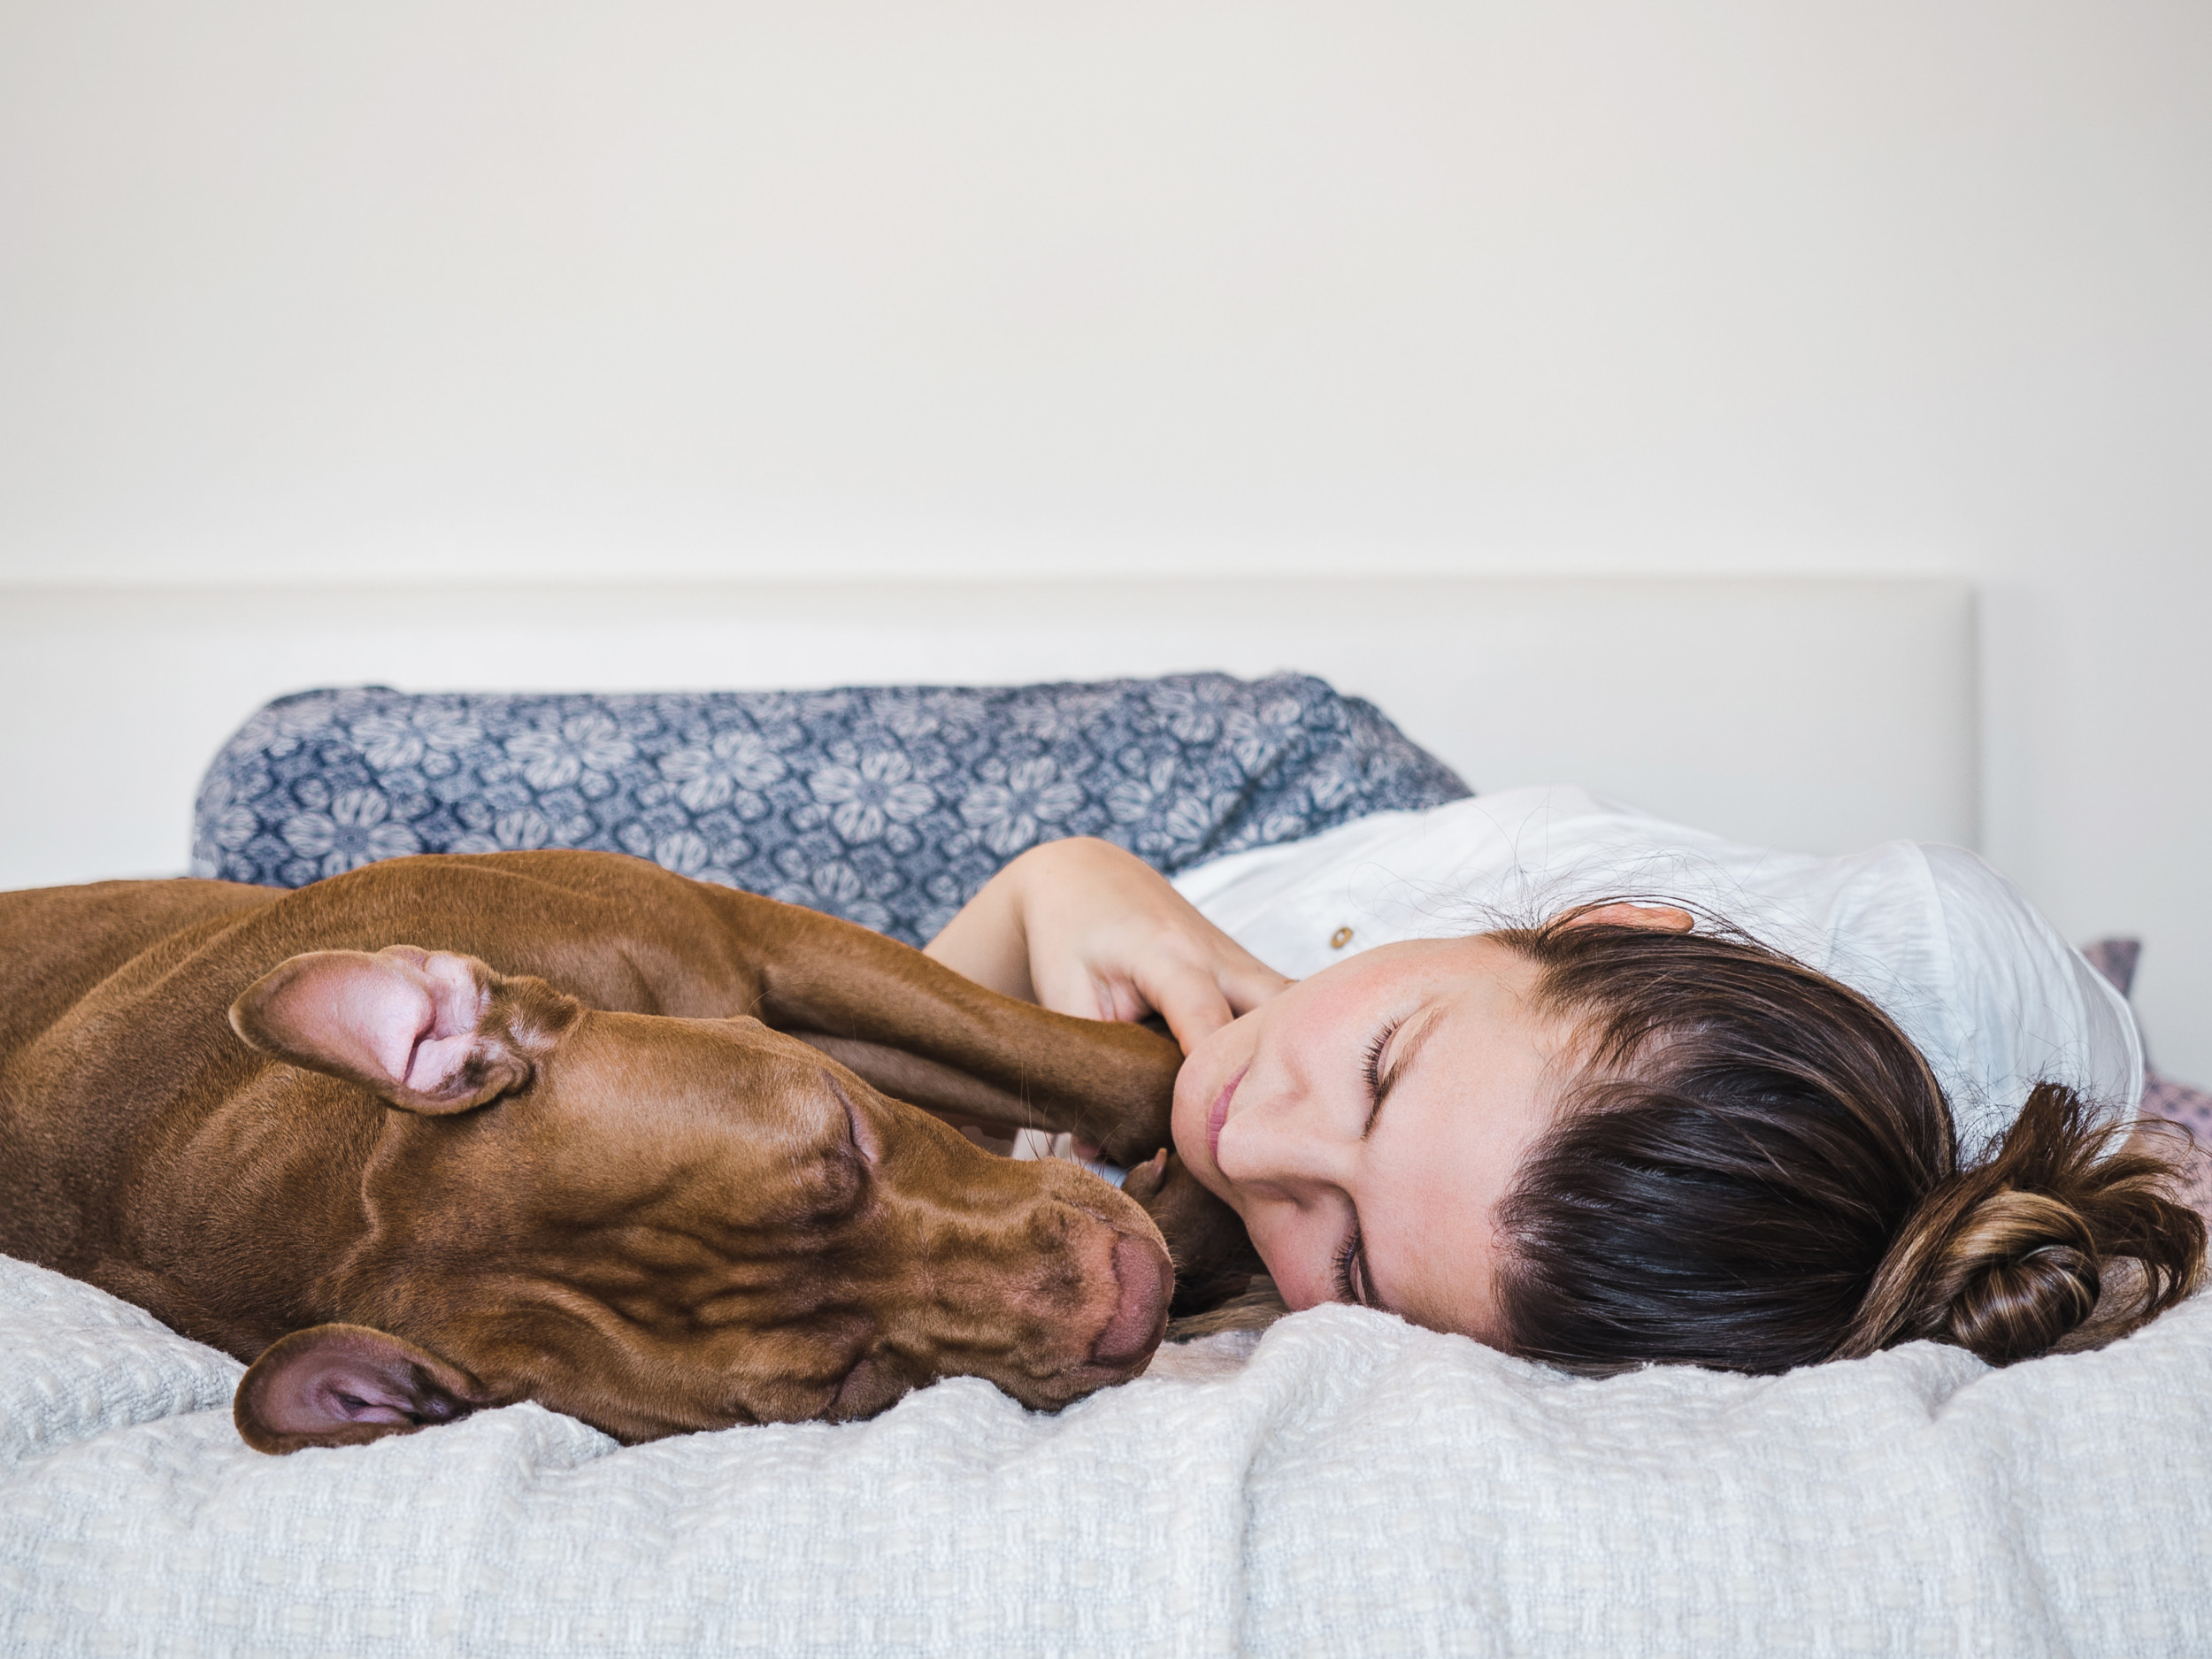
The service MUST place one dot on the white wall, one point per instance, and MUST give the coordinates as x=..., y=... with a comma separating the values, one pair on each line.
x=482, y=289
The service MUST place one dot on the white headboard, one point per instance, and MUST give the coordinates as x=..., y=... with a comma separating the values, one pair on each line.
x=1811, y=714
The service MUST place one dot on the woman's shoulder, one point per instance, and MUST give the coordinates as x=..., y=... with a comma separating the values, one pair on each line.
x=1505, y=858
x=2031, y=1007
x=1453, y=842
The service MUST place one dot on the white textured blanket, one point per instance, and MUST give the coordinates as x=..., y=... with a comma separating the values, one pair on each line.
x=1345, y=1485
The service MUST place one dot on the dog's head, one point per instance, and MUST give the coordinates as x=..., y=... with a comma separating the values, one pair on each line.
x=660, y=1224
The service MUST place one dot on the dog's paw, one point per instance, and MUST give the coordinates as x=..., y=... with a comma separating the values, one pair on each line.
x=1144, y=1180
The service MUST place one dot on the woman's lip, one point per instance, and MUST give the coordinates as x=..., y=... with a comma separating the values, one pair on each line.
x=1219, y=1115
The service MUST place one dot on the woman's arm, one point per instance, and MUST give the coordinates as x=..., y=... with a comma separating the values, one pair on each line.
x=1085, y=928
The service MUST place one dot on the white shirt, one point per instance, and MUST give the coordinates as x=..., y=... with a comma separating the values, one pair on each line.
x=1943, y=944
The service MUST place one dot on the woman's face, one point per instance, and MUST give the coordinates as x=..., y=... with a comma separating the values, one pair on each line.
x=1366, y=1122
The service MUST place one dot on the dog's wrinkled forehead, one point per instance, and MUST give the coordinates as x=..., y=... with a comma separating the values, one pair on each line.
x=759, y=1118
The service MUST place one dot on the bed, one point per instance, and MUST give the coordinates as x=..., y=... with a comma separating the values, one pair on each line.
x=1339, y=1482
x=1342, y=1483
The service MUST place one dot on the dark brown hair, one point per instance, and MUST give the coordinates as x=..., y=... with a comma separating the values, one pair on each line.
x=1754, y=1169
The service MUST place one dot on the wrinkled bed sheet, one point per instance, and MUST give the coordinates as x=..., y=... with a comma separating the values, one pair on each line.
x=1344, y=1483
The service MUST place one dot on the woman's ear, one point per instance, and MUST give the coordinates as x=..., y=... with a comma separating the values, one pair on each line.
x=1663, y=918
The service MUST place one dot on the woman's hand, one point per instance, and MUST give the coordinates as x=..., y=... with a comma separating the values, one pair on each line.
x=1085, y=928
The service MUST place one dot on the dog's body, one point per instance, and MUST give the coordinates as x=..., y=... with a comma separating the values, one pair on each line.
x=453, y=1131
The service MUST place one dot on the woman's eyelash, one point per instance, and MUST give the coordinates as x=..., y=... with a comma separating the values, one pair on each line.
x=1346, y=1253
x=1373, y=1069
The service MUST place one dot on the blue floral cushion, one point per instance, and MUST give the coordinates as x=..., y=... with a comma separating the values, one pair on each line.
x=888, y=805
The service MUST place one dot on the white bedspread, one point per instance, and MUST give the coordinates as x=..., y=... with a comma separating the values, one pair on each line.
x=1346, y=1485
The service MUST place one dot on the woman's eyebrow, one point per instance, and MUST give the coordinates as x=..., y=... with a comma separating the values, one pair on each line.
x=1407, y=1049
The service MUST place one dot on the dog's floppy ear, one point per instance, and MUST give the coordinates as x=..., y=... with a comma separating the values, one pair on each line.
x=340, y=1385
x=429, y=1031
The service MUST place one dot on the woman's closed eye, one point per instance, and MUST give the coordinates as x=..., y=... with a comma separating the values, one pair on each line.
x=1372, y=1071
x=1350, y=1272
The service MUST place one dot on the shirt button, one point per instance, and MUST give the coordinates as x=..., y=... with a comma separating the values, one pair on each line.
x=1340, y=939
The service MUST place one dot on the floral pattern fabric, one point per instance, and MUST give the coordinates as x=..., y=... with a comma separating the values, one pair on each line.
x=888, y=805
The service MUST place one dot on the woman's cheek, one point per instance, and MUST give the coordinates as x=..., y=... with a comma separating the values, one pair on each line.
x=1289, y=1262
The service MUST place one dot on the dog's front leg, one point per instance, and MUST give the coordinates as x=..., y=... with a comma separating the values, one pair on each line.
x=1121, y=1104
x=921, y=1033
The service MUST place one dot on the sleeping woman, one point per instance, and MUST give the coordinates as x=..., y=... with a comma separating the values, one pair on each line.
x=1602, y=1091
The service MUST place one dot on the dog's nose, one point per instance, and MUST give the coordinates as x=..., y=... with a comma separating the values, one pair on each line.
x=1146, y=1280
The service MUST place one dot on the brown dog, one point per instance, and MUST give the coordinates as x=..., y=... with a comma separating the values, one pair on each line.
x=448, y=1132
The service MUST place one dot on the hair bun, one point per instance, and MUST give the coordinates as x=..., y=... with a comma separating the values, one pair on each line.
x=2008, y=1258
x=2019, y=1272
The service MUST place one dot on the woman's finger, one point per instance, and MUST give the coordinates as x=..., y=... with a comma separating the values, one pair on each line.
x=1189, y=998
x=1248, y=984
